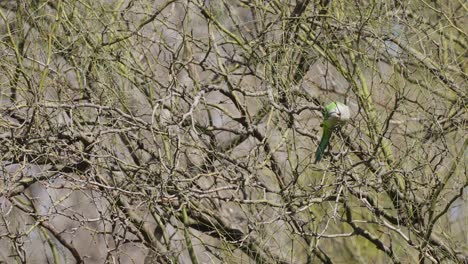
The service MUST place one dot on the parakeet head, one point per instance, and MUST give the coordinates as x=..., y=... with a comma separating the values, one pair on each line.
x=337, y=113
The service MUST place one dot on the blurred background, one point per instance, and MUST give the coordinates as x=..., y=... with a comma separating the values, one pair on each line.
x=185, y=131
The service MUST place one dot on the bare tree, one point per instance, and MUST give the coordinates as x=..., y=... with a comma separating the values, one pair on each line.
x=185, y=131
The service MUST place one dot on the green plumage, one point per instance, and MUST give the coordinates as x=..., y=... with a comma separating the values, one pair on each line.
x=326, y=135
x=335, y=114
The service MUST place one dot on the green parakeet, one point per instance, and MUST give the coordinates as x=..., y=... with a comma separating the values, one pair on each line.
x=335, y=114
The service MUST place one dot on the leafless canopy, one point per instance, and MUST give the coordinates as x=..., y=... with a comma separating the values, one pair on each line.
x=184, y=131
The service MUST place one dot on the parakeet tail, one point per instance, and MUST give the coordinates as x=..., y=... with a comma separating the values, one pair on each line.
x=323, y=144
